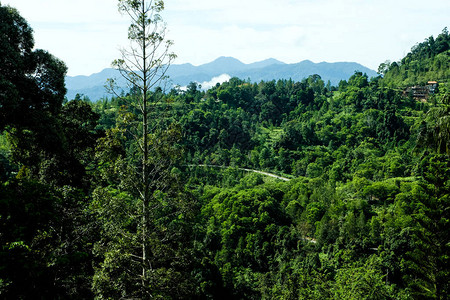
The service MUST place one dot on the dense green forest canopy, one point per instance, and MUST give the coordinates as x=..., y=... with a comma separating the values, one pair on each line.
x=427, y=61
x=364, y=216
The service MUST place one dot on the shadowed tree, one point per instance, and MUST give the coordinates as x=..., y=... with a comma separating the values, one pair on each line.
x=31, y=89
x=44, y=252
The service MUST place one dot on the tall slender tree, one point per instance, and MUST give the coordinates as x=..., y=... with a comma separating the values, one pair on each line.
x=143, y=65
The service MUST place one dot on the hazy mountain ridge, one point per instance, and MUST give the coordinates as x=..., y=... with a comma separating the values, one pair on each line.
x=182, y=74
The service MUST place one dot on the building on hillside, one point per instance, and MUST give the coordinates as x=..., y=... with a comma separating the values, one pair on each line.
x=421, y=92
x=432, y=86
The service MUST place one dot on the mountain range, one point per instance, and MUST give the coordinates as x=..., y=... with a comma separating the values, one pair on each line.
x=182, y=74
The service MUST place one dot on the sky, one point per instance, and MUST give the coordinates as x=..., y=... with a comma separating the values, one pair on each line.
x=87, y=34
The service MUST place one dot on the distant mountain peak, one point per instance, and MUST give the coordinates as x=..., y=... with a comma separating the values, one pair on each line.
x=226, y=59
x=222, y=65
x=273, y=61
x=182, y=74
x=266, y=63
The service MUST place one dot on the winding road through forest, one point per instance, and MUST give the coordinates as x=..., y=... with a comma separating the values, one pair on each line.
x=307, y=239
x=243, y=169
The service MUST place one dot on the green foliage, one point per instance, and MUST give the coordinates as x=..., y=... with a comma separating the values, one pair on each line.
x=429, y=260
x=32, y=81
x=156, y=194
x=435, y=129
x=427, y=61
x=44, y=243
x=362, y=282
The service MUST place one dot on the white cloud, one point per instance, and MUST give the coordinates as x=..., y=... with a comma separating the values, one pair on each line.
x=206, y=85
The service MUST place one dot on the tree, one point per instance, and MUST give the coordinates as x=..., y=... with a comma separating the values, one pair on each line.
x=16, y=44
x=143, y=65
x=31, y=89
x=384, y=67
x=435, y=130
x=362, y=282
x=428, y=264
x=31, y=82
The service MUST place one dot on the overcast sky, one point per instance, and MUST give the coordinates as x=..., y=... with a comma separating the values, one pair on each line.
x=86, y=34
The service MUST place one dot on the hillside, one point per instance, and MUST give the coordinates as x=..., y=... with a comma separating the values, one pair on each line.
x=275, y=189
x=427, y=61
x=365, y=211
x=93, y=85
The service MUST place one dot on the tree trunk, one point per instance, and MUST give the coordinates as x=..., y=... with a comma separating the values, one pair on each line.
x=145, y=196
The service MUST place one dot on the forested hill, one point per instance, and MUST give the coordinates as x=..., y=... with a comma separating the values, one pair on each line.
x=365, y=214
x=427, y=61
x=93, y=86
